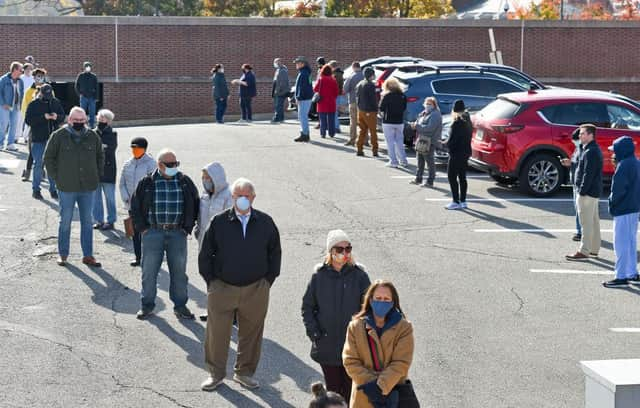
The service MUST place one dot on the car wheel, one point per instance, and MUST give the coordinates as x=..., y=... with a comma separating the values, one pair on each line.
x=504, y=180
x=541, y=175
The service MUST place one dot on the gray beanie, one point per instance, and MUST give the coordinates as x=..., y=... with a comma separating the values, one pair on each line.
x=334, y=237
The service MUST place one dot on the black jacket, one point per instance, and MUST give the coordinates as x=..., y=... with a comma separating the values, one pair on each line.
x=42, y=128
x=227, y=255
x=142, y=202
x=459, y=142
x=589, y=172
x=87, y=85
x=109, y=145
x=392, y=106
x=328, y=305
x=366, y=96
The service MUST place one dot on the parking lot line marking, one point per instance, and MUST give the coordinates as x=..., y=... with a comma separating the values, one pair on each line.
x=9, y=163
x=479, y=176
x=571, y=272
x=625, y=329
x=532, y=230
x=510, y=200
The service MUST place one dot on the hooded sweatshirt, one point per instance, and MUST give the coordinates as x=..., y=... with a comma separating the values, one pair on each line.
x=304, y=89
x=625, y=186
x=213, y=203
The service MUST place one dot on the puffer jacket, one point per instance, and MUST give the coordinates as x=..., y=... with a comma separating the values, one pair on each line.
x=132, y=172
x=212, y=204
x=329, y=303
x=395, y=348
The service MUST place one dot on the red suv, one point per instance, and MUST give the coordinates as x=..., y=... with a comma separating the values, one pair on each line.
x=521, y=136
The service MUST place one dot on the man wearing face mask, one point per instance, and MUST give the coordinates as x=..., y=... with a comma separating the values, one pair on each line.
x=44, y=115
x=74, y=160
x=280, y=90
x=239, y=259
x=87, y=90
x=135, y=169
x=164, y=208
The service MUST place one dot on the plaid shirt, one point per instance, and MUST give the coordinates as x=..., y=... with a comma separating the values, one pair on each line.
x=168, y=201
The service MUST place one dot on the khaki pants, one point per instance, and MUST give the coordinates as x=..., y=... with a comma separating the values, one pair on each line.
x=367, y=121
x=250, y=303
x=589, y=214
x=353, y=123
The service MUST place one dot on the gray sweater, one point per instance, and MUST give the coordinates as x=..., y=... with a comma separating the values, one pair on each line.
x=429, y=126
x=350, y=84
x=281, y=85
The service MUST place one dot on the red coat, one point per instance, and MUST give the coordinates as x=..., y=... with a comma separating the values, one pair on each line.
x=327, y=87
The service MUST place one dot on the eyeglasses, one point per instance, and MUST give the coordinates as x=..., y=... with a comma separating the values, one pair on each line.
x=171, y=164
x=340, y=250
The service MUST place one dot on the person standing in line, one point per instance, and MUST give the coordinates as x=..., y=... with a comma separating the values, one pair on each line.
x=572, y=164
x=624, y=207
x=74, y=159
x=341, y=100
x=220, y=92
x=107, y=184
x=327, y=87
x=334, y=294
x=429, y=130
x=379, y=348
x=280, y=90
x=367, y=112
x=27, y=81
x=304, y=94
x=139, y=165
x=459, y=145
x=325, y=399
x=350, y=90
x=10, y=102
x=589, y=185
x=214, y=199
x=165, y=209
x=44, y=116
x=392, y=106
x=87, y=90
x=39, y=75
x=239, y=260
x=247, y=84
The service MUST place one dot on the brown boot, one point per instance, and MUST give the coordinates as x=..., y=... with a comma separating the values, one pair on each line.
x=91, y=261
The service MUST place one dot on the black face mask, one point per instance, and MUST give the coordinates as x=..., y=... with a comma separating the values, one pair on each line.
x=78, y=126
x=102, y=125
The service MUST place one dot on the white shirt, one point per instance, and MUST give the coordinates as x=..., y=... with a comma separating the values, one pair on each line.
x=28, y=80
x=244, y=219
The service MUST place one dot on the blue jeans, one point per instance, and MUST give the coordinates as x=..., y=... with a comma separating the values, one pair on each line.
x=575, y=205
x=89, y=106
x=221, y=108
x=154, y=245
x=245, y=108
x=37, y=153
x=278, y=106
x=340, y=101
x=8, y=123
x=303, y=115
x=109, y=190
x=67, y=202
x=327, y=123
x=625, y=244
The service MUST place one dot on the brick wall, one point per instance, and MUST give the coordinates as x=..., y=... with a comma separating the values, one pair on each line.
x=163, y=63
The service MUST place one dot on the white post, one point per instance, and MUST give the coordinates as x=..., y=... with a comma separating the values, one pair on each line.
x=323, y=8
x=116, y=53
x=522, y=44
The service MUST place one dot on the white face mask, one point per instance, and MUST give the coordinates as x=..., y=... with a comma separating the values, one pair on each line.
x=221, y=70
x=339, y=258
x=87, y=69
x=275, y=65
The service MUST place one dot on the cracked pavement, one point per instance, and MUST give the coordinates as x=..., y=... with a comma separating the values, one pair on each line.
x=488, y=332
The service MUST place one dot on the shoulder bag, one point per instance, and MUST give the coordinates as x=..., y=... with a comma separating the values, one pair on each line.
x=316, y=95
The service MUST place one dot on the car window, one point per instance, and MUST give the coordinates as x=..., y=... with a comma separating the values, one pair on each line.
x=500, y=109
x=494, y=87
x=458, y=86
x=621, y=117
x=579, y=113
x=516, y=77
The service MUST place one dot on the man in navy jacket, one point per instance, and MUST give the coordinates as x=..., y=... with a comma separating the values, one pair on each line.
x=624, y=205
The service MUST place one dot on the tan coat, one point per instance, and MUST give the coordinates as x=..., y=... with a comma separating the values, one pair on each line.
x=396, y=348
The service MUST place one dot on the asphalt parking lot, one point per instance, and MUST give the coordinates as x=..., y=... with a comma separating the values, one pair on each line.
x=501, y=319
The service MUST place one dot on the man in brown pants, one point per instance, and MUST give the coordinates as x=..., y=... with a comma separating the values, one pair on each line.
x=367, y=111
x=239, y=259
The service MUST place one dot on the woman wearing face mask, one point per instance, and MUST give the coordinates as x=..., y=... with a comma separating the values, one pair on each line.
x=135, y=169
x=333, y=296
x=39, y=75
x=220, y=92
x=215, y=197
x=428, y=128
x=378, y=350
x=107, y=184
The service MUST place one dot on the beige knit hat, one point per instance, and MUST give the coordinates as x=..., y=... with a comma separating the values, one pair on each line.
x=336, y=236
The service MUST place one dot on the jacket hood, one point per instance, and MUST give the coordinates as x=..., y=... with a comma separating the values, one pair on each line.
x=217, y=174
x=623, y=148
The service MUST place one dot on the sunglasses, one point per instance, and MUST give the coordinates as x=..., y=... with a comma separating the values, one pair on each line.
x=340, y=250
x=171, y=164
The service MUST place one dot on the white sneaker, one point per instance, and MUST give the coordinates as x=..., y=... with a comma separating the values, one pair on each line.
x=241, y=121
x=463, y=204
x=453, y=206
x=389, y=164
x=12, y=148
x=211, y=383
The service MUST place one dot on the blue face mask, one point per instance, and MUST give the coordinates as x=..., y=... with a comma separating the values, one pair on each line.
x=170, y=171
x=243, y=204
x=381, y=308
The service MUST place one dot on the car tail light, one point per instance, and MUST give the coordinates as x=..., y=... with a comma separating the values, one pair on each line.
x=507, y=128
x=412, y=99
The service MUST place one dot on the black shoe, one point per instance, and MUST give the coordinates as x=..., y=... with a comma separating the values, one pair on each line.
x=375, y=154
x=323, y=136
x=302, y=138
x=203, y=317
x=37, y=195
x=428, y=184
x=97, y=225
x=634, y=279
x=144, y=314
x=577, y=237
x=616, y=283
x=183, y=313
x=135, y=263
x=25, y=175
x=361, y=154
x=54, y=194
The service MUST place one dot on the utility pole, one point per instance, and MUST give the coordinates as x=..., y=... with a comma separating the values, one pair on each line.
x=323, y=8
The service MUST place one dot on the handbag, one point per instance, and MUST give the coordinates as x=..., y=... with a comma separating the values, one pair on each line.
x=406, y=393
x=316, y=95
x=128, y=227
x=423, y=146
